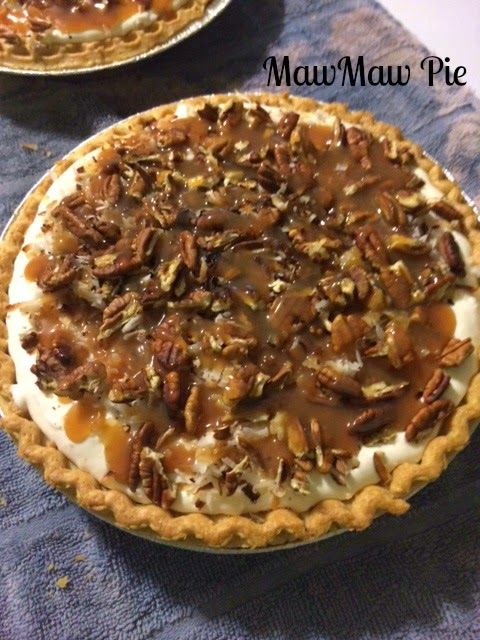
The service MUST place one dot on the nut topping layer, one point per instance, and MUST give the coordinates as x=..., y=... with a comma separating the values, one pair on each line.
x=230, y=298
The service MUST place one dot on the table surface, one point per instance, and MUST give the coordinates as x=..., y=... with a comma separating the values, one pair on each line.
x=447, y=28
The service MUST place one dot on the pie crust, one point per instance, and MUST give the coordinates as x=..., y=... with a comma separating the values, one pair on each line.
x=277, y=526
x=33, y=55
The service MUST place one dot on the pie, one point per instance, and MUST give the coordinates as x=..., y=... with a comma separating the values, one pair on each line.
x=245, y=319
x=61, y=35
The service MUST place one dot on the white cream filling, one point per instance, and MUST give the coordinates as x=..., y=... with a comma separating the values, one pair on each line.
x=137, y=21
x=48, y=412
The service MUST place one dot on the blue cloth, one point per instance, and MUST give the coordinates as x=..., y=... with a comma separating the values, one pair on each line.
x=415, y=577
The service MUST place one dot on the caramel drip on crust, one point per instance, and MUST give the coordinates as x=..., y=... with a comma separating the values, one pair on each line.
x=279, y=288
x=76, y=16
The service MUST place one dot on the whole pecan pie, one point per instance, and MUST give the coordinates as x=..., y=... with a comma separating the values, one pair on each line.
x=244, y=319
x=56, y=35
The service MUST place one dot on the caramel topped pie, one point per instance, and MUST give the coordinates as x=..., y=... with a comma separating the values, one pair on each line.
x=75, y=34
x=260, y=312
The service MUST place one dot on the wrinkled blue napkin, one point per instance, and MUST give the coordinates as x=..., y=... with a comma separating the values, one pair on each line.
x=415, y=577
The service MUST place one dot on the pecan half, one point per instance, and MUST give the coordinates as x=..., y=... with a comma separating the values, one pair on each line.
x=51, y=364
x=427, y=418
x=436, y=386
x=58, y=274
x=142, y=438
x=368, y=422
x=188, y=249
x=450, y=252
x=455, y=352
x=192, y=410
x=332, y=379
x=372, y=246
x=391, y=210
x=169, y=353
x=145, y=243
x=172, y=392
x=89, y=378
x=287, y=124
x=445, y=210
x=124, y=312
x=155, y=483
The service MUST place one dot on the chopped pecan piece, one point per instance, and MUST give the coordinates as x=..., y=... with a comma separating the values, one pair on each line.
x=241, y=383
x=378, y=391
x=398, y=284
x=170, y=137
x=29, y=341
x=89, y=378
x=409, y=199
x=362, y=283
x=368, y=422
x=398, y=343
x=427, y=418
x=358, y=141
x=381, y=468
x=282, y=157
x=455, y=352
x=451, y=253
x=59, y=274
x=129, y=389
x=208, y=112
x=332, y=379
x=142, y=438
x=268, y=177
x=287, y=124
x=295, y=436
x=188, y=249
x=124, y=312
x=372, y=246
x=38, y=24
x=436, y=386
x=346, y=330
x=405, y=244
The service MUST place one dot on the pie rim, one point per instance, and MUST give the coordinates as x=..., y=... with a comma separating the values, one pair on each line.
x=80, y=56
x=280, y=525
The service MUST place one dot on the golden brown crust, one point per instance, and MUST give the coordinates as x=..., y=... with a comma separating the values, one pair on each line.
x=110, y=51
x=280, y=525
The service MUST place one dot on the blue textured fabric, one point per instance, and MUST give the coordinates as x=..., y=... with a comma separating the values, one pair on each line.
x=415, y=577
